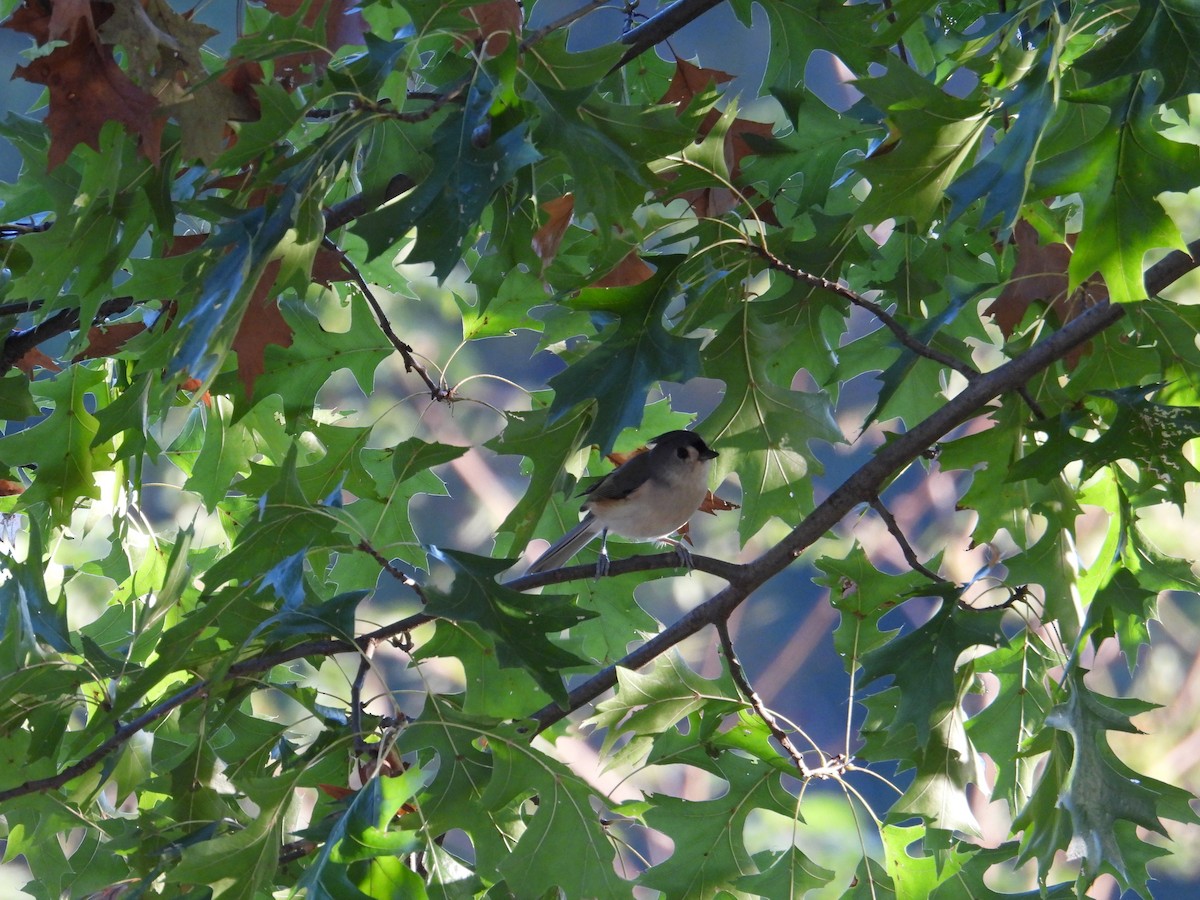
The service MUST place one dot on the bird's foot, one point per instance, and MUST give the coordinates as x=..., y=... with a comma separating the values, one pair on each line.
x=602, y=564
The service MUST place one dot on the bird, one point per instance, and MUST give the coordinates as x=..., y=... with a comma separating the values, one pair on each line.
x=646, y=498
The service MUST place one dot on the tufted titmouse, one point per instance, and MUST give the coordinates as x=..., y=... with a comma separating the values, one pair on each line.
x=646, y=498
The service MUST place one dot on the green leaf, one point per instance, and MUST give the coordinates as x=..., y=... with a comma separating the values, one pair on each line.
x=518, y=622
x=617, y=374
x=297, y=372
x=1118, y=174
x=1163, y=36
x=924, y=662
x=547, y=445
x=762, y=428
x=1097, y=790
x=649, y=704
x=935, y=135
x=784, y=873
x=1149, y=433
x=239, y=865
x=447, y=204
x=67, y=475
x=709, y=835
x=564, y=819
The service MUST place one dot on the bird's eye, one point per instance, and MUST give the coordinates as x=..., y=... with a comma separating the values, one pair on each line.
x=682, y=453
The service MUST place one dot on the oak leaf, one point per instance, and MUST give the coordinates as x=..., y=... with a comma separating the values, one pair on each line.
x=497, y=19
x=88, y=89
x=629, y=271
x=548, y=238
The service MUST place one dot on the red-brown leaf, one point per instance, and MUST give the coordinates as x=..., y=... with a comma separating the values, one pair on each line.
x=1040, y=276
x=549, y=237
x=628, y=272
x=690, y=80
x=344, y=25
x=88, y=89
x=33, y=358
x=10, y=488
x=262, y=325
x=497, y=20
x=105, y=340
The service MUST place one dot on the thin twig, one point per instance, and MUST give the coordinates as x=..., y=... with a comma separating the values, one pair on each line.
x=563, y=22
x=438, y=392
x=364, y=666
x=739, y=677
x=890, y=521
x=386, y=565
x=774, y=262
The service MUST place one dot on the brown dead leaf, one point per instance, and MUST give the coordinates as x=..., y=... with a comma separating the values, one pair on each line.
x=10, y=488
x=629, y=271
x=88, y=89
x=549, y=237
x=344, y=24
x=51, y=22
x=690, y=80
x=33, y=358
x=262, y=325
x=1040, y=276
x=328, y=267
x=712, y=504
x=105, y=340
x=336, y=791
x=497, y=19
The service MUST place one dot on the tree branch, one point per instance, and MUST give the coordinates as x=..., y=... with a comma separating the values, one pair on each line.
x=660, y=26
x=739, y=677
x=905, y=547
x=437, y=391
x=18, y=343
x=867, y=481
x=858, y=488
x=902, y=335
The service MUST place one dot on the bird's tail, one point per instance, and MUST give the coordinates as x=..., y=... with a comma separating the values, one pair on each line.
x=567, y=546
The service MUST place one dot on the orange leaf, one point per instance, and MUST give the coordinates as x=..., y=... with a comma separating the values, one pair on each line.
x=193, y=384
x=628, y=272
x=712, y=504
x=549, y=237
x=87, y=89
x=262, y=324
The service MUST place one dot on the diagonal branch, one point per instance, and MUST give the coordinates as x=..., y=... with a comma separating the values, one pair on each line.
x=868, y=480
x=902, y=335
x=860, y=487
x=905, y=547
x=18, y=343
x=661, y=26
